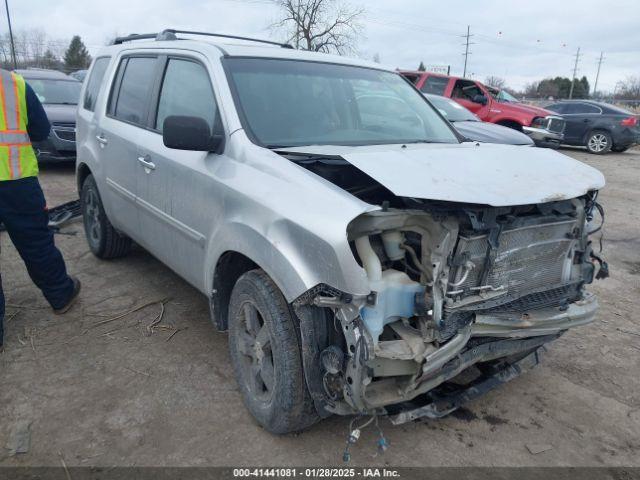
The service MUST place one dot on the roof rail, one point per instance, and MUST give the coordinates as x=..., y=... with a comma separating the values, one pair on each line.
x=170, y=34
x=134, y=36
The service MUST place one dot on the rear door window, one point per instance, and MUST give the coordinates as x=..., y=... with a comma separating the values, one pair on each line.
x=186, y=90
x=558, y=108
x=95, y=82
x=132, y=99
x=435, y=85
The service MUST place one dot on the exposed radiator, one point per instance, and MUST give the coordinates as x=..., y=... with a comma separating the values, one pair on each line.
x=528, y=259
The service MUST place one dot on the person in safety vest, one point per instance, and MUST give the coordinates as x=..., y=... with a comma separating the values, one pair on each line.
x=22, y=203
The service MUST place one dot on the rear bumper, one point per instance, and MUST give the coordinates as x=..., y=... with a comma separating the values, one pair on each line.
x=626, y=138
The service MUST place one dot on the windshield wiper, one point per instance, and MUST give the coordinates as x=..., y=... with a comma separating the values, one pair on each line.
x=278, y=147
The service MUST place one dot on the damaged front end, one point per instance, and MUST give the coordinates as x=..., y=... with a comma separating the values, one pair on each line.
x=462, y=298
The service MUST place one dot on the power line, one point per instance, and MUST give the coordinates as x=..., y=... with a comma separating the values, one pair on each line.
x=13, y=47
x=466, y=49
x=595, y=85
x=575, y=71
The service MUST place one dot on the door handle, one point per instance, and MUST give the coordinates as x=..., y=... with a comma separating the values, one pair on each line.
x=102, y=140
x=144, y=160
x=586, y=120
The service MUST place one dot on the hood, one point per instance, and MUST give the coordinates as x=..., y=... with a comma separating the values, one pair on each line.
x=489, y=174
x=491, y=133
x=60, y=113
x=521, y=107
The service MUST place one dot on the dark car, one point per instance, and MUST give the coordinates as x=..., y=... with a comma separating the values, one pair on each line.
x=471, y=127
x=79, y=75
x=598, y=126
x=59, y=94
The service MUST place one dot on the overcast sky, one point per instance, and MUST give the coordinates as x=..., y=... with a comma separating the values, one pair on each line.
x=520, y=41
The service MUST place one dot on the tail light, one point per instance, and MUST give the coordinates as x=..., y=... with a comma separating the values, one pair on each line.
x=629, y=122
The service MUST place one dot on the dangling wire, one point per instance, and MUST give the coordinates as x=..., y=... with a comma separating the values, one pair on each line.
x=354, y=435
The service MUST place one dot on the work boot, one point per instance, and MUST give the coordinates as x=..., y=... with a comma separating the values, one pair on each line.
x=76, y=290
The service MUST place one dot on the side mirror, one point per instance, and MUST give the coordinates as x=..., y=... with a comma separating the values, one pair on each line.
x=479, y=99
x=189, y=133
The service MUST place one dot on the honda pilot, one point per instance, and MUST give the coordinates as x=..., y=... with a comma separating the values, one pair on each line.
x=362, y=256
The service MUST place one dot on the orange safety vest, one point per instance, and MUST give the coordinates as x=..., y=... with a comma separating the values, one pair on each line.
x=17, y=158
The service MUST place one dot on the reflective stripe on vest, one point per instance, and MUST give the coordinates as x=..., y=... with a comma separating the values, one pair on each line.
x=17, y=158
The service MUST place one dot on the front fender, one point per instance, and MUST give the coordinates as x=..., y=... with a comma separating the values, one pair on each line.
x=296, y=259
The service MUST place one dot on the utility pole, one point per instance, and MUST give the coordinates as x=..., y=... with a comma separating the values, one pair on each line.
x=595, y=85
x=575, y=71
x=466, y=49
x=13, y=47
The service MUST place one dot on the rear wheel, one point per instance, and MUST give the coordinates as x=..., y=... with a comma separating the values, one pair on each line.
x=103, y=239
x=265, y=352
x=599, y=142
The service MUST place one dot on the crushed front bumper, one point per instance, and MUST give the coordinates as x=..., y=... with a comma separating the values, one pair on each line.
x=440, y=405
x=506, y=336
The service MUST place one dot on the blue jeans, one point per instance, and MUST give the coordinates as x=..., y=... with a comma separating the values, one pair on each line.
x=22, y=210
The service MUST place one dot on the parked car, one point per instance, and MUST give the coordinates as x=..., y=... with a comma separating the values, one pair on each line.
x=79, y=75
x=598, y=126
x=360, y=261
x=494, y=106
x=472, y=128
x=59, y=94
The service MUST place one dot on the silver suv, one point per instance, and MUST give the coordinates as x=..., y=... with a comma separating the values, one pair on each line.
x=364, y=259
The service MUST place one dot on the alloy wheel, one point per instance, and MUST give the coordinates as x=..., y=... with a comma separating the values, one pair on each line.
x=598, y=142
x=92, y=217
x=254, y=343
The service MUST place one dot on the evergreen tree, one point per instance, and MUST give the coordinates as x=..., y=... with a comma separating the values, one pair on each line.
x=50, y=61
x=421, y=67
x=77, y=56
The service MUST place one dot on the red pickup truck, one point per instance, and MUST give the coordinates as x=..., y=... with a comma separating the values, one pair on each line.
x=493, y=105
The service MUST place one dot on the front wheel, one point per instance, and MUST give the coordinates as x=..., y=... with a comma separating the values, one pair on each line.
x=599, y=142
x=265, y=352
x=104, y=240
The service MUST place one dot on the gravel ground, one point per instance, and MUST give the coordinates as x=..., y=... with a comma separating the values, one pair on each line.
x=116, y=394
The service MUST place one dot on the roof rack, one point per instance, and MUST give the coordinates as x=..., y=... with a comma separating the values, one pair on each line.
x=134, y=36
x=170, y=34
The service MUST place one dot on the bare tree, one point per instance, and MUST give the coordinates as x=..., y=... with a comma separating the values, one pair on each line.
x=495, y=82
x=329, y=26
x=629, y=89
x=34, y=48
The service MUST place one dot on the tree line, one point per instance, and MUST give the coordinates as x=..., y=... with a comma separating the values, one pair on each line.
x=331, y=26
x=34, y=49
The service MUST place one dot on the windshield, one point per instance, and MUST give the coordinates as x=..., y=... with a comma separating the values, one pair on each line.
x=296, y=103
x=502, y=95
x=452, y=111
x=65, y=92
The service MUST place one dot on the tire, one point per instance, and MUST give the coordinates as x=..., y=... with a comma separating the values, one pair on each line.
x=265, y=353
x=619, y=149
x=599, y=142
x=104, y=240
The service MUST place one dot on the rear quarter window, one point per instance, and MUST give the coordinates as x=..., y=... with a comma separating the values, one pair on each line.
x=94, y=83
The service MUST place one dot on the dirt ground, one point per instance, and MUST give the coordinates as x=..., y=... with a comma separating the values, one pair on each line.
x=119, y=393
